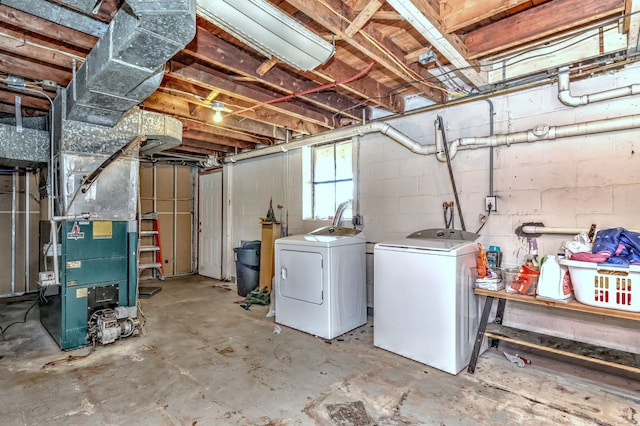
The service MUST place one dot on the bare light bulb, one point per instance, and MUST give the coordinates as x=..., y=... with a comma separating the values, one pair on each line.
x=217, y=117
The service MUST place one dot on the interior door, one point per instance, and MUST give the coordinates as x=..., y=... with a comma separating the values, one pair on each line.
x=210, y=229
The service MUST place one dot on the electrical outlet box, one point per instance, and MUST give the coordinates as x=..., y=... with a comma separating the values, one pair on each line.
x=490, y=203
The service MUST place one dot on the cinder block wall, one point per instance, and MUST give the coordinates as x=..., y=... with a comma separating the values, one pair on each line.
x=570, y=182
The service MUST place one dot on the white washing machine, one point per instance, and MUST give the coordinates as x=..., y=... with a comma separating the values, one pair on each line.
x=424, y=307
x=320, y=283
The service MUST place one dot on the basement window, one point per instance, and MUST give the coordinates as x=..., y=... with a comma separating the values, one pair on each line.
x=330, y=181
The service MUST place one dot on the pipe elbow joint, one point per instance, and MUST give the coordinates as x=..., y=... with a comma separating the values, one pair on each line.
x=567, y=99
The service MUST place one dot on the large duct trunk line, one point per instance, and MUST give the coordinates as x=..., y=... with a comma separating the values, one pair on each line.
x=127, y=63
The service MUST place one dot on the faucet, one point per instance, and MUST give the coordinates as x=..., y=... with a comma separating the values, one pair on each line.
x=339, y=212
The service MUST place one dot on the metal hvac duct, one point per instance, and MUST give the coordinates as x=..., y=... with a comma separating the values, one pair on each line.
x=127, y=63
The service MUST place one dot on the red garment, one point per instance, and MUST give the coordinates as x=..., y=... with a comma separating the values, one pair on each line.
x=585, y=256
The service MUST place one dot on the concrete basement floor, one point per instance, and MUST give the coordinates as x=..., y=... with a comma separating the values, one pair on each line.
x=204, y=360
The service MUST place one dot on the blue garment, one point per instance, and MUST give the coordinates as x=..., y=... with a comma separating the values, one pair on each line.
x=623, y=245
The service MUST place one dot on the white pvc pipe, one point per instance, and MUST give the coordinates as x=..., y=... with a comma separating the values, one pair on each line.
x=544, y=132
x=439, y=145
x=339, y=134
x=565, y=96
x=531, y=229
x=539, y=133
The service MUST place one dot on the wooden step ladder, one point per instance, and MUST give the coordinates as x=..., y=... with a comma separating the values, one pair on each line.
x=149, y=242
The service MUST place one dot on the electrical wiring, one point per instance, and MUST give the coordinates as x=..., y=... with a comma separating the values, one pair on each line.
x=26, y=42
x=358, y=75
x=485, y=219
x=193, y=95
x=485, y=65
x=490, y=64
x=509, y=61
x=24, y=320
x=405, y=69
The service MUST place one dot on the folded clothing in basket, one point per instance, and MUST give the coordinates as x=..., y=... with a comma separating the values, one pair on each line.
x=620, y=245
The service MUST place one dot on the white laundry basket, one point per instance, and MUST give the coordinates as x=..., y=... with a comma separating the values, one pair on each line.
x=605, y=285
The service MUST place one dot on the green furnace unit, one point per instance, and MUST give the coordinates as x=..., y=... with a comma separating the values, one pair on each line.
x=95, y=302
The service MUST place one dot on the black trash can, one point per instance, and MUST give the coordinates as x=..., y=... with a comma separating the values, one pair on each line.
x=247, y=260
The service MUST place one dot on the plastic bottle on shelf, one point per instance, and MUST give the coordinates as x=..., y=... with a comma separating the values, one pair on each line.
x=550, y=284
x=481, y=262
x=494, y=257
x=565, y=279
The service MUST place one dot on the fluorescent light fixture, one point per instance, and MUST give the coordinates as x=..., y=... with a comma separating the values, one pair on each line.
x=268, y=30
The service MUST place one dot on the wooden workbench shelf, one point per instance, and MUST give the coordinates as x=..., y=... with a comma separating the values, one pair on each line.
x=570, y=348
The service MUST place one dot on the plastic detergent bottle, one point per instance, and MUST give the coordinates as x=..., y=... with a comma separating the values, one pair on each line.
x=550, y=285
x=494, y=257
x=565, y=279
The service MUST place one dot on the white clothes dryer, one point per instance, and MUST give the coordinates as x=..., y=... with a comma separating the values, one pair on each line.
x=320, y=281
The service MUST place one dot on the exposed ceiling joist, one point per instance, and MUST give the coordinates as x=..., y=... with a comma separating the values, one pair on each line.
x=18, y=66
x=212, y=131
x=197, y=135
x=577, y=46
x=374, y=49
x=174, y=106
x=463, y=13
x=17, y=18
x=449, y=46
x=213, y=50
x=199, y=75
x=60, y=15
x=363, y=17
x=546, y=19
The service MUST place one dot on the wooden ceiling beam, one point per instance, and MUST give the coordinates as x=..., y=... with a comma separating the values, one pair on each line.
x=174, y=106
x=33, y=24
x=541, y=21
x=220, y=140
x=366, y=87
x=426, y=20
x=186, y=149
x=387, y=15
x=216, y=144
x=292, y=116
x=27, y=69
x=21, y=38
x=457, y=14
x=363, y=17
x=192, y=127
x=36, y=53
x=28, y=99
x=334, y=23
x=215, y=51
x=206, y=127
x=26, y=112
